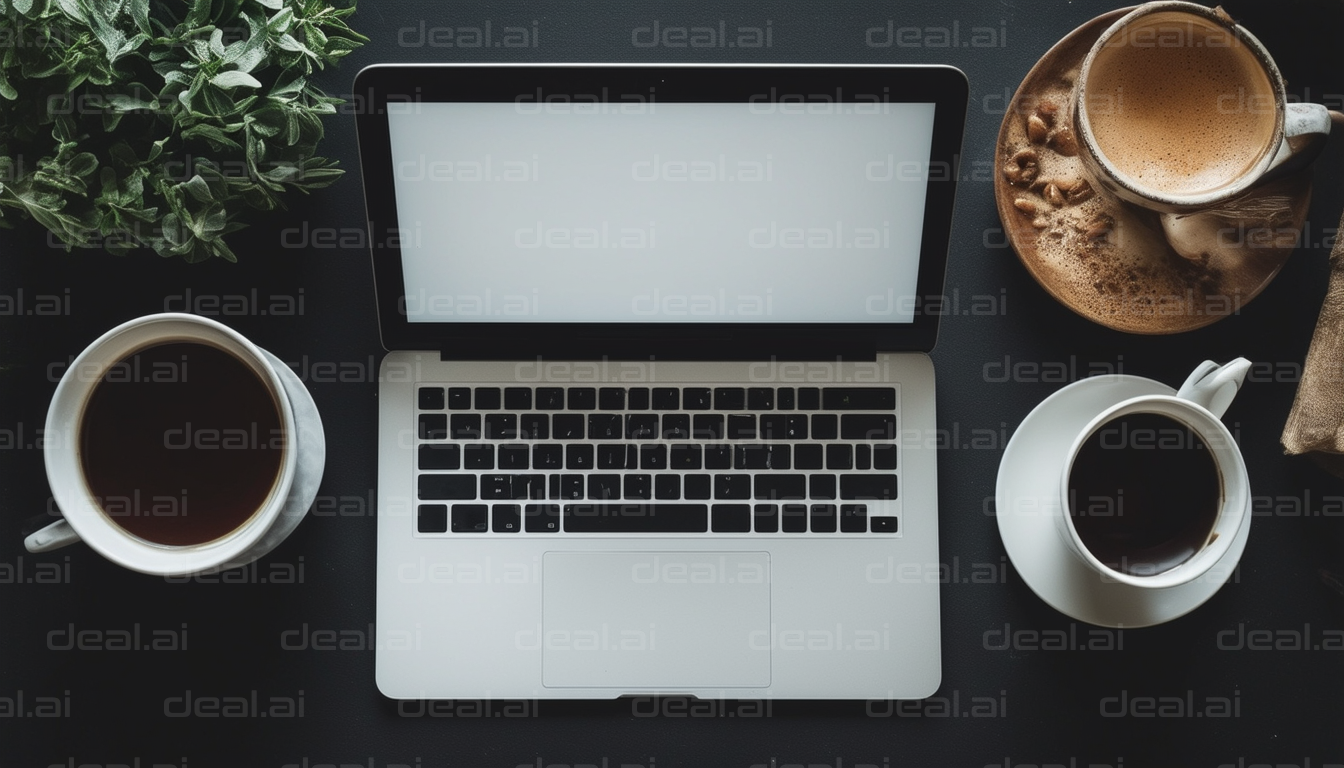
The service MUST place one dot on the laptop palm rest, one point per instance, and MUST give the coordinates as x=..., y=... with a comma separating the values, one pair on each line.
x=651, y=621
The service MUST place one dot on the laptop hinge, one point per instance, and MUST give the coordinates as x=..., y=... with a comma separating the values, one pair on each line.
x=662, y=349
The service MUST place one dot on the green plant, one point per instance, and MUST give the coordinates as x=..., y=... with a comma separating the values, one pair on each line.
x=136, y=123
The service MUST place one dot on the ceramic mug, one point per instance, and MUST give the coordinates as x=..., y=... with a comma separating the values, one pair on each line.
x=84, y=519
x=1199, y=405
x=1287, y=135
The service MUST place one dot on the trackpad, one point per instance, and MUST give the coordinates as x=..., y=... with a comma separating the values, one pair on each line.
x=656, y=620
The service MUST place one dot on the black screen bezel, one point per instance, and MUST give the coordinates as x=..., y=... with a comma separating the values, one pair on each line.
x=403, y=85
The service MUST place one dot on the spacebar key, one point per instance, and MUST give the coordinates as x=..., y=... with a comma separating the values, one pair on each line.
x=636, y=518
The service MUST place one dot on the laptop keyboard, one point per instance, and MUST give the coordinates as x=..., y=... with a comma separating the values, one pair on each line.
x=656, y=460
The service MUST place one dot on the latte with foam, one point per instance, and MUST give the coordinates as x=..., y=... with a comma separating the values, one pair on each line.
x=1179, y=106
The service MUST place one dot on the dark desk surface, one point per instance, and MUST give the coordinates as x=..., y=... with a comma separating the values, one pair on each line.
x=1266, y=651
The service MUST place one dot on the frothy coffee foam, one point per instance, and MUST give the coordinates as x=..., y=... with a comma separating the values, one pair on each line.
x=1178, y=108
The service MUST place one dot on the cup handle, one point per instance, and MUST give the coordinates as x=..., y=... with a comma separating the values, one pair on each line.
x=54, y=536
x=1214, y=386
x=1305, y=126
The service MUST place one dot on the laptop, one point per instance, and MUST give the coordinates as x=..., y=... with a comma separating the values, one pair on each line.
x=657, y=413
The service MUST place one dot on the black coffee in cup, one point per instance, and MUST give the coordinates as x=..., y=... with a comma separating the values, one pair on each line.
x=181, y=443
x=1144, y=493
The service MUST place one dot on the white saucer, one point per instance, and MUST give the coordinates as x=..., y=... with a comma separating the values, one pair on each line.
x=1027, y=502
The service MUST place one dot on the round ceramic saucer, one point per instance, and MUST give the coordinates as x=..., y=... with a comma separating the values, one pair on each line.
x=1027, y=504
x=1110, y=261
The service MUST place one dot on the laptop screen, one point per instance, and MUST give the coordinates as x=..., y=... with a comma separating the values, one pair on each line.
x=756, y=212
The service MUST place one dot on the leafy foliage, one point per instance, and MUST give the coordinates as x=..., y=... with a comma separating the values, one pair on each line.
x=155, y=123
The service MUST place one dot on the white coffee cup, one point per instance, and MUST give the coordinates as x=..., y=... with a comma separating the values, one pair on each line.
x=84, y=519
x=1296, y=130
x=1199, y=405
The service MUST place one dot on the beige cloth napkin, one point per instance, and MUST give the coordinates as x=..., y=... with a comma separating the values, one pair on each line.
x=1316, y=423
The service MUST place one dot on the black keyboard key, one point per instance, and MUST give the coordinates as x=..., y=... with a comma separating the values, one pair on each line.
x=615, y=456
x=695, y=399
x=567, y=426
x=853, y=518
x=487, y=398
x=466, y=426
x=638, y=486
x=666, y=399
x=441, y=456
x=446, y=487
x=884, y=456
x=550, y=399
x=432, y=518
x=570, y=487
x=784, y=399
x=431, y=399
x=761, y=456
x=548, y=457
x=501, y=426
x=776, y=426
x=459, y=398
x=685, y=457
x=730, y=399
x=730, y=518
x=761, y=398
x=676, y=426
x=637, y=399
x=513, y=457
x=604, y=486
x=807, y=456
x=696, y=486
x=809, y=399
x=766, y=518
x=667, y=487
x=433, y=426
x=863, y=426
x=518, y=398
x=741, y=426
x=859, y=398
x=718, y=457
x=653, y=456
x=823, y=518
x=579, y=456
x=604, y=426
x=582, y=398
x=732, y=487
x=478, y=457
x=863, y=457
x=793, y=518
x=867, y=486
x=824, y=427
x=839, y=456
x=506, y=518
x=821, y=486
x=501, y=487
x=636, y=517
x=541, y=518
x=707, y=426
x=611, y=398
x=534, y=426
x=770, y=487
x=641, y=426
x=470, y=518
x=885, y=524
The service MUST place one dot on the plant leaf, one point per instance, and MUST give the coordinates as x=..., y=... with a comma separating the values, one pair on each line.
x=235, y=79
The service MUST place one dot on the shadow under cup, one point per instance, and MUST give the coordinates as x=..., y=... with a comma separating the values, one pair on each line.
x=181, y=443
x=1145, y=492
x=1180, y=105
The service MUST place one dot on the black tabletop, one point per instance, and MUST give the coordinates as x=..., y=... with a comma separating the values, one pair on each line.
x=1255, y=676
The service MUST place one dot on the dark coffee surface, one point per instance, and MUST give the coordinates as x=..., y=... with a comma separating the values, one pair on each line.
x=180, y=443
x=1144, y=493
